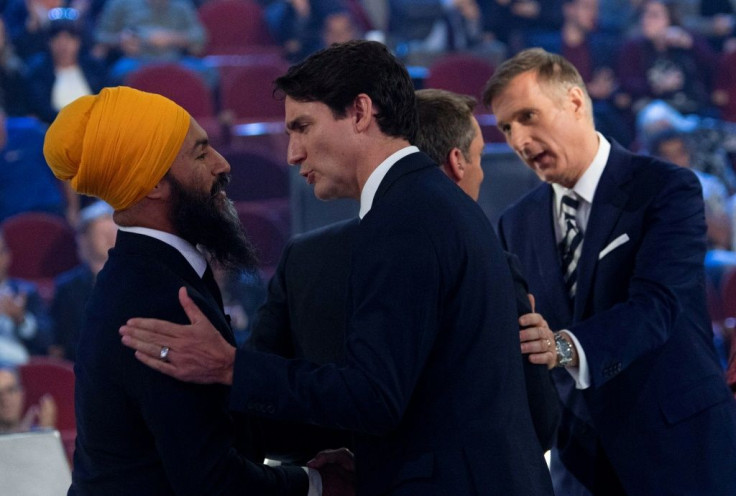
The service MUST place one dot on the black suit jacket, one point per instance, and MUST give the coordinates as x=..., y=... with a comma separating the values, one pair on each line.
x=433, y=378
x=304, y=316
x=658, y=406
x=139, y=431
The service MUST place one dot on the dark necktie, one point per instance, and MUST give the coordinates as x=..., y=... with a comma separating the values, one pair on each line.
x=572, y=242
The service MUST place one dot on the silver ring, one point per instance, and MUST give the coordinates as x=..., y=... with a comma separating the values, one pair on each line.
x=164, y=354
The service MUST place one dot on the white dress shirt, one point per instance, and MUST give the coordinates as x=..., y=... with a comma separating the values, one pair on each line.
x=585, y=190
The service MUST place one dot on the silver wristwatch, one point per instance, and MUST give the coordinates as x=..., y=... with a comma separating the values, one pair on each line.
x=564, y=351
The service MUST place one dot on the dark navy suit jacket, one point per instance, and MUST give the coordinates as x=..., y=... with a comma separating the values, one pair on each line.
x=141, y=432
x=658, y=405
x=433, y=378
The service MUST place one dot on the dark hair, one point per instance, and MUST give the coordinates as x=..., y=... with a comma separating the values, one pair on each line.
x=336, y=75
x=64, y=25
x=445, y=122
x=550, y=68
x=669, y=6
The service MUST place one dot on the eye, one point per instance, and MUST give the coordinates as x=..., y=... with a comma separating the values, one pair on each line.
x=526, y=116
x=202, y=156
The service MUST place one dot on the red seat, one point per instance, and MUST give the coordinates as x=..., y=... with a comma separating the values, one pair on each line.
x=42, y=246
x=247, y=93
x=54, y=376
x=460, y=73
x=234, y=26
x=183, y=86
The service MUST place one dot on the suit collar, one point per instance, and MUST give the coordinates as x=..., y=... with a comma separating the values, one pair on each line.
x=406, y=165
x=368, y=193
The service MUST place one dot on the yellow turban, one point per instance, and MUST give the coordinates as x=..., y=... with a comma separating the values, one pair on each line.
x=116, y=145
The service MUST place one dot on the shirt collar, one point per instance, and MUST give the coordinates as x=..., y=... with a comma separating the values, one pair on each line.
x=588, y=182
x=374, y=180
x=188, y=250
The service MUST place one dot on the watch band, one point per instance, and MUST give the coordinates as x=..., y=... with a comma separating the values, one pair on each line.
x=564, y=351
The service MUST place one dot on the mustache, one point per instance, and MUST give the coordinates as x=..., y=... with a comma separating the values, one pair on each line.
x=220, y=184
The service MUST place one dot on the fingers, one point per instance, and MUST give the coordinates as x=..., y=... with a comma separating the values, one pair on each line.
x=532, y=320
x=548, y=358
x=190, y=308
x=143, y=342
x=167, y=368
x=147, y=328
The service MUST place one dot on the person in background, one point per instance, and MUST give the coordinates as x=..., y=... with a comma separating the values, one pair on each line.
x=64, y=72
x=13, y=96
x=12, y=404
x=25, y=328
x=96, y=233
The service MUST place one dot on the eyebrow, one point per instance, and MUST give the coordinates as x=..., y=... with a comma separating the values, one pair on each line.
x=292, y=124
x=200, y=143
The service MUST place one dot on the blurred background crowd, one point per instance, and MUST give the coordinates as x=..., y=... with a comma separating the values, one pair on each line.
x=662, y=76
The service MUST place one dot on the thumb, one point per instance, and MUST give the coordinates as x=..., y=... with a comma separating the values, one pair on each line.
x=190, y=308
x=531, y=300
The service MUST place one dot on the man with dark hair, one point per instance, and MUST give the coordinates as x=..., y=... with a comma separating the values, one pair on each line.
x=432, y=381
x=613, y=248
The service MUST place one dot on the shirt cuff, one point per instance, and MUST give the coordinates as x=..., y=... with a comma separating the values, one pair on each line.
x=581, y=373
x=315, y=482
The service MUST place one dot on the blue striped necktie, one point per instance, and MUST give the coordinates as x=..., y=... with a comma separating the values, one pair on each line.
x=572, y=242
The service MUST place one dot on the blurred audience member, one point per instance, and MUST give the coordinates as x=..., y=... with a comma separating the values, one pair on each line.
x=667, y=62
x=724, y=90
x=96, y=234
x=26, y=21
x=12, y=89
x=339, y=27
x=243, y=292
x=618, y=17
x=509, y=20
x=148, y=31
x=713, y=19
x=12, y=402
x=593, y=53
x=26, y=184
x=672, y=145
x=297, y=24
x=24, y=325
x=712, y=142
x=64, y=72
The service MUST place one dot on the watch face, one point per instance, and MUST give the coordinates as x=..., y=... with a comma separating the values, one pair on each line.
x=564, y=351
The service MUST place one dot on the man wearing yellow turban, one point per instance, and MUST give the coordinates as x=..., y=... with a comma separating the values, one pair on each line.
x=138, y=431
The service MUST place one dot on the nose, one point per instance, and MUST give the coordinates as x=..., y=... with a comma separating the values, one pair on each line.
x=295, y=152
x=221, y=165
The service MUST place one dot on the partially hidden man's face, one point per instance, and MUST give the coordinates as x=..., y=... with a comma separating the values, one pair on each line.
x=321, y=146
x=473, y=177
x=201, y=212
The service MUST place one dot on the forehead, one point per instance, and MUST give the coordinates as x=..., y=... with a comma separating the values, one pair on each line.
x=519, y=92
x=296, y=109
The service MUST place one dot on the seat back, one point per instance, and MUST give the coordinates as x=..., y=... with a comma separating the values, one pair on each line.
x=265, y=227
x=247, y=92
x=233, y=26
x=461, y=73
x=42, y=247
x=178, y=83
x=54, y=376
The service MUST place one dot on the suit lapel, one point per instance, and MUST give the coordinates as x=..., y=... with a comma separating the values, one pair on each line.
x=608, y=205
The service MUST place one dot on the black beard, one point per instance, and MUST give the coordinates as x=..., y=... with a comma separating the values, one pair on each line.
x=212, y=222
